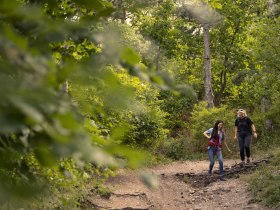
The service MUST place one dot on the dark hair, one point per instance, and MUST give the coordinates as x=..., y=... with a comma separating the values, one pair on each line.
x=215, y=129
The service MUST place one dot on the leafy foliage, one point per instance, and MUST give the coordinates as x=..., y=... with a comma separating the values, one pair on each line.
x=202, y=119
x=264, y=183
x=37, y=118
x=80, y=88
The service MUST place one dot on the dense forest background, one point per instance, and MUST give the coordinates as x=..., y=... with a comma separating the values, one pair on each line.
x=91, y=86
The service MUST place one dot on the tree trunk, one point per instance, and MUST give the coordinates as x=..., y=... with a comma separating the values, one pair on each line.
x=123, y=11
x=158, y=58
x=207, y=68
x=65, y=87
x=223, y=76
x=270, y=4
x=223, y=83
x=265, y=107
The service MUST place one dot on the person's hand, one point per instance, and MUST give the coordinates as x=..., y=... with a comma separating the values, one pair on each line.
x=255, y=135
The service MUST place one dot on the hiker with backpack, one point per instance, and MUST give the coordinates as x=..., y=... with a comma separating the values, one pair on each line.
x=244, y=129
x=216, y=137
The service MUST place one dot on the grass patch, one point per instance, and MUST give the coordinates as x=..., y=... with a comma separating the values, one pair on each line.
x=264, y=183
x=103, y=191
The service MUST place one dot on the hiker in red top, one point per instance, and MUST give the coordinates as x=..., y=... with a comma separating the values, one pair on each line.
x=216, y=137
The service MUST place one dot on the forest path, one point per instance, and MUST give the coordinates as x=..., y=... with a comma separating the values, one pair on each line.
x=182, y=185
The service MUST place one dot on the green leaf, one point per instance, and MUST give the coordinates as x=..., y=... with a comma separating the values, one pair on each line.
x=129, y=56
x=150, y=180
x=30, y=111
x=216, y=4
x=44, y=156
x=97, y=5
x=17, y=39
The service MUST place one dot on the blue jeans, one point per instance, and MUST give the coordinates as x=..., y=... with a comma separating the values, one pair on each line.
x=212, y=151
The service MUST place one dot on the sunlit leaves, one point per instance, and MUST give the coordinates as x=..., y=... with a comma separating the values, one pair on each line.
x=31, y=98
x=130, y=56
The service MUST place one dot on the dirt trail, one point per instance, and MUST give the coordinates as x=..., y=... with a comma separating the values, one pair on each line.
x=182, y=185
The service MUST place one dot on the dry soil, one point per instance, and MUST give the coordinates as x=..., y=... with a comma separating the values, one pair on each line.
x=177, y=189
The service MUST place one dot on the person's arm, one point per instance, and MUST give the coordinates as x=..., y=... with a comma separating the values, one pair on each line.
x=254, y=131
x=235, y=133
x=206, y=134
x=236, y=128
x=227, y=146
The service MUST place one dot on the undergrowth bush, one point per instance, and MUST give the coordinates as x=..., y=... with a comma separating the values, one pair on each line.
x=179, y=149
x=265, y=182
x=191, y=144
x=203, y=119
x=65, y=185
x=175, y=148
x=268, y=131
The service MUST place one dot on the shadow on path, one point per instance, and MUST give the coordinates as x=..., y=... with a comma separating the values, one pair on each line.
x=203, y=180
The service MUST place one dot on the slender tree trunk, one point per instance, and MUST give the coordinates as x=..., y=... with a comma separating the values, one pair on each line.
x=123, y=11
x=207, y=68
x=158, y=58
x=223, y=76
x=223, y=83
x=265, y=100
x=270, y=4
x=65, y=88
x=265, y=107
x=123, y=15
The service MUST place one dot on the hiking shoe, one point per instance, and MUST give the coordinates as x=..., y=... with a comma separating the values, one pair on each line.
x=248, y=160
x=222, y=178
x=242, y=164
